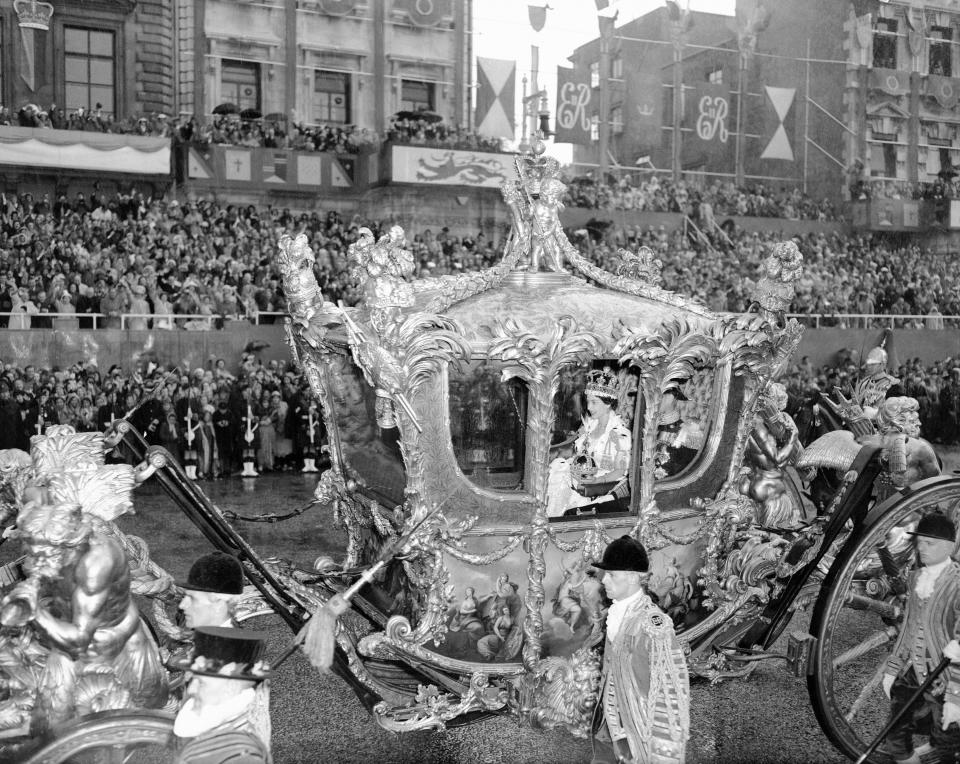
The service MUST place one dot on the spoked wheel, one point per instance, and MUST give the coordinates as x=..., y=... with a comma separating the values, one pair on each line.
x=112, y=737
x=858, y=614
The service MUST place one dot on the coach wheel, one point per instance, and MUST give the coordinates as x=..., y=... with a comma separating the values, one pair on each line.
x=859, y=611
x=112, y=737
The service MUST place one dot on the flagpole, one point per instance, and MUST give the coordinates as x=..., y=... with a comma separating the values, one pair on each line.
x=806, y=118
x=738, y=145
x=603, y=122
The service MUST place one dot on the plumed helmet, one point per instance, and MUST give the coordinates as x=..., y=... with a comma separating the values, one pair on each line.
x=877, y=355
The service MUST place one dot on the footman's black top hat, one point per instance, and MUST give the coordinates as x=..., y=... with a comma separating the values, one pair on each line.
x=936, y=525
x=226, y=653
x=624, y=553
x=215, y=572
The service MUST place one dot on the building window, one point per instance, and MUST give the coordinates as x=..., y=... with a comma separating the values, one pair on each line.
x=595, y=74
x=417, y=96
x=89, y=65
x=240, y=84
x=331, y=97
x=715, y=77
x=940, y=58
x=616, y=67
x=594, y=128
x=616, y=119
x=883, y=160
x=885, y=44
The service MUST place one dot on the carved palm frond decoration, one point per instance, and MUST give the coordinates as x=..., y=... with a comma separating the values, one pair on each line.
x=756, y=346
x=529, y=357
x=675, y=351
x=104, y=492
x=428, y=342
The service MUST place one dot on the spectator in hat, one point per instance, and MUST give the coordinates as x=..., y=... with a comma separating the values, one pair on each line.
x=137, y=304
x=929, y=630
x=212, y=586
x=645, y=686
x=225, y=715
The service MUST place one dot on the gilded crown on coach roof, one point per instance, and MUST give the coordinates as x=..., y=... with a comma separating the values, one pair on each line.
x=33, y=15
x=603, y=383
x=536, y=170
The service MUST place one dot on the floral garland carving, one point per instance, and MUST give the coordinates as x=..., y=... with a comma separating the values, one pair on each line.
x=432, y=709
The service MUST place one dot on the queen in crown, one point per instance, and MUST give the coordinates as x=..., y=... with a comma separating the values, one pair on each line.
x=592, y=467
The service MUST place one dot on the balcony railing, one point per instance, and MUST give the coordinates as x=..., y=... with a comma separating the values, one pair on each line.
x=162, y=321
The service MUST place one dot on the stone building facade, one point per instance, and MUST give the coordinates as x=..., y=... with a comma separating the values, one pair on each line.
x=320, y=61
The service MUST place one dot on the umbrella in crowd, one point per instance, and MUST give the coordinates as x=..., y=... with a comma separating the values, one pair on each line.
x=424, y=114
x=226, y=108
x=250, y=114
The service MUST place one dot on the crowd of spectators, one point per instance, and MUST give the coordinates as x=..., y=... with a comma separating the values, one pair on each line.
x=651, y=193
x=206, y=261
x=239, y=129
x=130, y=254
x=936, y=387
x=845, y=277
x=418, y=131
x=217, y=406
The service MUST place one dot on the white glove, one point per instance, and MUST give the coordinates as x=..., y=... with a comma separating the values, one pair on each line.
x=951, y=715
x=888, y=680
x=952, y=651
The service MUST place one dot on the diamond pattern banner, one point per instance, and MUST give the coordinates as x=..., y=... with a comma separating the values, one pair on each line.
x=496, y=91
x=779, y=145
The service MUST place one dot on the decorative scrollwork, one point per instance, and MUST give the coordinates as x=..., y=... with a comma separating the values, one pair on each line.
x=433, y=709
x=642, y=265
x=563, y=692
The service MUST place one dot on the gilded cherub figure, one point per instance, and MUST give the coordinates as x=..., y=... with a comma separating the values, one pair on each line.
x=777, y=285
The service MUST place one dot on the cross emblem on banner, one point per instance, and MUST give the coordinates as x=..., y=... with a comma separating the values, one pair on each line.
x=779, y=145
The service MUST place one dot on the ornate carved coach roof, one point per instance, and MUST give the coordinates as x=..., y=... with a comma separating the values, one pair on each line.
x=535, y=301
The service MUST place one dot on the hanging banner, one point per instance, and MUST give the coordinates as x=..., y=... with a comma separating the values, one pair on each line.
x=643, y=110
x=946, y=90
x=443, y=167
x=709, y=115
x=266, y=169
x=80, y=150
x=890, y=81
x=427, y=13
x=538, y=16
x=778, y=147
x=574, y=108
x=496, y=91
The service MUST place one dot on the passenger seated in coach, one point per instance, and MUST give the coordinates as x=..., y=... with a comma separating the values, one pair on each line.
x=590, y=468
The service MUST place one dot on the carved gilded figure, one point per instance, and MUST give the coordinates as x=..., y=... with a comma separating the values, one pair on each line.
x=76, y=600
x=774, y=444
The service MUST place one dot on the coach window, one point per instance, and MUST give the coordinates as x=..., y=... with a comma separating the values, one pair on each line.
x=240, y=84
x=487, y=415
x=89, y=64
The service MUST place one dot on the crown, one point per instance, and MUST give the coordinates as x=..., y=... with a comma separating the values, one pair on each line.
x=535, y=170
x=603, y=384
x=33, y=15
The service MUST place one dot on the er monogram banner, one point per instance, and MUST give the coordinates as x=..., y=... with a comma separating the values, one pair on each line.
x=708, y=119
x=574, y=108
